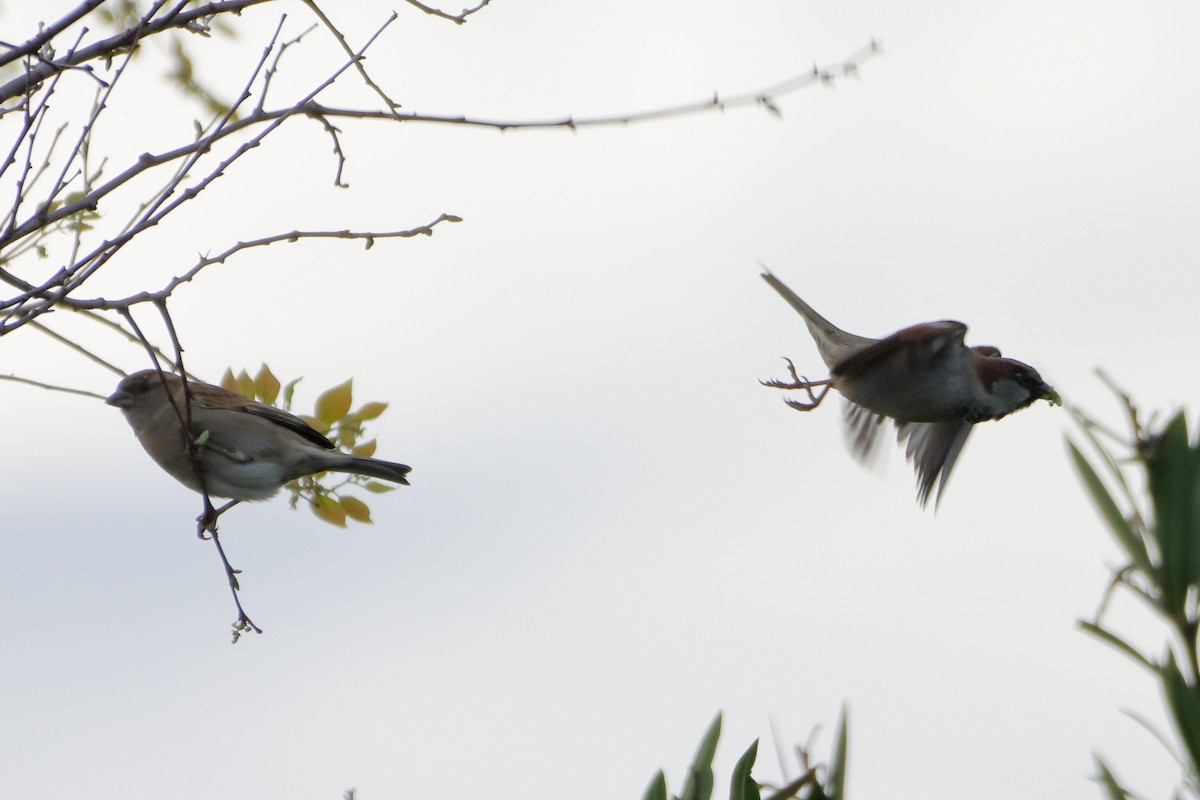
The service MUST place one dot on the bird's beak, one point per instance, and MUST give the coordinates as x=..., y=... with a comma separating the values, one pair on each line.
x=120, y=398
x=1049, y=395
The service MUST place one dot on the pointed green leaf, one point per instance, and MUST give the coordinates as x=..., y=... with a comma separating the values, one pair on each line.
x=1125, y=535
x=742, y=786
x=1112, y=789
x=288, y=392
x=699, y=783
x=837, y=763
x=1183, y=702
x=1175, y=487
x=657, y=790
x=228, y=381
x=375, y=487
x=1119, y=644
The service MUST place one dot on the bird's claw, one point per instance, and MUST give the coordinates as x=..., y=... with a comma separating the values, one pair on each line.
x=801, y=382
x=206, y=523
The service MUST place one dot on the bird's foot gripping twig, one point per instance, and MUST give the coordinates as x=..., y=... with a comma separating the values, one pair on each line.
x=206, y=523
x=801, y=382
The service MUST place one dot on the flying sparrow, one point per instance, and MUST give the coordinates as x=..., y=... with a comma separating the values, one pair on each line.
x=246, y=450
x=925, y=378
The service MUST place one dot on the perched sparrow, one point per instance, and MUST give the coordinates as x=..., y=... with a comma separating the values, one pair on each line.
x=247, y=450
x=924, y=377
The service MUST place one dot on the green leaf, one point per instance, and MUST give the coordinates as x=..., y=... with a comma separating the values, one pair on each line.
x=657, y=790
x=699, y=783
x=1118, y=643
x=1183, y=701
x=1125, y=535
x=333, y=404
x=742, y=786
x=375, y=487
x=1112, y=789
x=228, y=381
x=288, y=392
x=1174, y=485
x=837, y=764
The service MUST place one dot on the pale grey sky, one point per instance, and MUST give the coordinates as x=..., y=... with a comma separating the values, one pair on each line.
x=613, y=530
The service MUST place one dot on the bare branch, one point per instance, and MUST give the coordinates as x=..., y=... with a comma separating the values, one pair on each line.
x=78, y=348
x=392, y=104
x=121, y=42
x=293, y=236
x=457, y=19
x=56, y=289
x=51, y=387
x=47, y=34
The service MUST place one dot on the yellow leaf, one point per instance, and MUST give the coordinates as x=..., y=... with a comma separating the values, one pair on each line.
x=370, y=410
x=334, y=403
x=375, y=487
x=356, y=509
x=329, y=510
x=315, y=423
x=266, y=385
x=245, y=385
x=228, y=381
x=364, y=450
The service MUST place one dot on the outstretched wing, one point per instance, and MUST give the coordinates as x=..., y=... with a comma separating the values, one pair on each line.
x=933, y=447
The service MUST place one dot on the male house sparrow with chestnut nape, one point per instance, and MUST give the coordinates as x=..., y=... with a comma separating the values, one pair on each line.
x=246, y=450
x=925, y=378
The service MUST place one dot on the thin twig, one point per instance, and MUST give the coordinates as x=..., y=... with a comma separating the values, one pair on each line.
x=243, y=621
x=78, y=348
x=457, y=19
x=55, y=290
x=290, y=237
x=120, y=42
x=362, y=71
x=52, y=387
x=47, y=34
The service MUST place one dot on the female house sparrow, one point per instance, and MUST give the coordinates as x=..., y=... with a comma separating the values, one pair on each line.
x=247, y=450
x=924, y=377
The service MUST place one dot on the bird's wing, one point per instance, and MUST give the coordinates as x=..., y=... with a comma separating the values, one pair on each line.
x=833, y=343
x=933, y=447
x=862, y=430
x=926, y=341
x=291, y=422
x=215, y=399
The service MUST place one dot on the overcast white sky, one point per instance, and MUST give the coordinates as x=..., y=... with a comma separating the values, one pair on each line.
x=613, y=531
